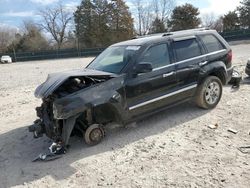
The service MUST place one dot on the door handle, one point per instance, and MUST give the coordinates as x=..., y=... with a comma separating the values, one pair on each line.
x=168, y=74
x=203, y=63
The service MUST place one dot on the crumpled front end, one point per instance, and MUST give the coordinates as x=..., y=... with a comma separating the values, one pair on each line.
x=46, y=124
x=68, y=98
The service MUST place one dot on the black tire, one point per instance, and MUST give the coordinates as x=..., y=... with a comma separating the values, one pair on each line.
x=209, y=93
x=94, y=134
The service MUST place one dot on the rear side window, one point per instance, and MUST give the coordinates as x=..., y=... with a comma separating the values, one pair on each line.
x=157, y=55
x=212, y=43
x=186, y=49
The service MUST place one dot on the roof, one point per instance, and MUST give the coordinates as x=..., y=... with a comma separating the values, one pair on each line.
x=143, y=40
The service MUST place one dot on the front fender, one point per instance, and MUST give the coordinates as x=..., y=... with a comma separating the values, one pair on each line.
x=107, y=92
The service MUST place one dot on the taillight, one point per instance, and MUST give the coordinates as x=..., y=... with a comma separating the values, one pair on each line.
x=229, y=56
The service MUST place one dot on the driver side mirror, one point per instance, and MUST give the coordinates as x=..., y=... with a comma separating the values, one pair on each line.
x=143, y=67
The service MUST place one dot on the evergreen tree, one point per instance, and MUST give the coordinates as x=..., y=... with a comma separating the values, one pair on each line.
x=158, y=26
x=184, y=17
x=83, y=20
x=121, y=21
x=100, y=22
x=231, y=21
x=244, y=12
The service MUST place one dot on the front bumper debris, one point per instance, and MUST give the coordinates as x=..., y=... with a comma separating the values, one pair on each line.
x=56, y=150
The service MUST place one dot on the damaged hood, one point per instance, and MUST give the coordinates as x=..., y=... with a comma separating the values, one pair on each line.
x=54, y=80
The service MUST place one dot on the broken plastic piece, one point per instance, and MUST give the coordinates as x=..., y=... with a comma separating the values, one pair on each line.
x=244, y=150
x=57, y=149
x=236, y=79
x=213, y=126
x=46, y=157
x=55, y=152
x=232, y=131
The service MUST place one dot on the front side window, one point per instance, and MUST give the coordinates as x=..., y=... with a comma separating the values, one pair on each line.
x=114, y=59
x=186, y=49
x=157, y=55
x=212, y=43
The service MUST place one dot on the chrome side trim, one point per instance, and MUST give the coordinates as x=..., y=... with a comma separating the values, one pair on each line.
x=162, y=97
x=190, y=59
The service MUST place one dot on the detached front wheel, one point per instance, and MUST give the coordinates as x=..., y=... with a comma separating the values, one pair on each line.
x=94, y=134
x=209, y=92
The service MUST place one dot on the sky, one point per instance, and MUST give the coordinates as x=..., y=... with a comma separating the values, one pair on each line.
x=13, y=12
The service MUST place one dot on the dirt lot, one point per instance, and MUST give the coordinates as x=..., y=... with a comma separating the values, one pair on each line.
x=172, y=149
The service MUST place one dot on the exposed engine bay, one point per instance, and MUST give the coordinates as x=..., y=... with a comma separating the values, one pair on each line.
x=59, y=130
x=75, y=84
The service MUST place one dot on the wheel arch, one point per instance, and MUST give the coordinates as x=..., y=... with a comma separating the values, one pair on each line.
x=220, y=75
x=217, y=69
x=106, y=113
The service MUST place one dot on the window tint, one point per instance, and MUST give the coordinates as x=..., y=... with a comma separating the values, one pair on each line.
x=186, y=49
x=212, y=43
x=157, y=55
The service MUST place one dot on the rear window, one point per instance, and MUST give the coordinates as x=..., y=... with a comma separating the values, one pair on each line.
x=186, y=49
x=212, y=43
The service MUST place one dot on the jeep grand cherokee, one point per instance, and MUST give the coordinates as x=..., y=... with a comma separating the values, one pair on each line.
x=131, y=80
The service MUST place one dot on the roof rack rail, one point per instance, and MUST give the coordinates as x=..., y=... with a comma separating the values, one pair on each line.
x=167, y=34
x=187, y=30
x=171, y=33
x=196, y=29
x=150, y=35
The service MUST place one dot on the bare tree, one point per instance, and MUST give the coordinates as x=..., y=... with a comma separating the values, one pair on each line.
x=218, y=26
x=163, y=9
x=212, y=22
x=55, y=21
x=139, y=11
x=208, y=20
x=146, y=20
x=7, y=35
x=144, y=16
x=147, y=12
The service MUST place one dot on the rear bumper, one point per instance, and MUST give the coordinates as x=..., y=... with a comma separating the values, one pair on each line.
x=229, y=73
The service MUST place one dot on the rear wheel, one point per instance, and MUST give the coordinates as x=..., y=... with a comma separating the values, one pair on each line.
x=94, y=134
x=209, y=92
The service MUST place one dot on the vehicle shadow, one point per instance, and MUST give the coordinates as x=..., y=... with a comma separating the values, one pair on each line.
x=18, y=148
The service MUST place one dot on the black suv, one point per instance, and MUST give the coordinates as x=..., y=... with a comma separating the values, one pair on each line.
x=131, y=80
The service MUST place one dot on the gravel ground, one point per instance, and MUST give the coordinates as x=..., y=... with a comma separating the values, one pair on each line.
x=174, y=148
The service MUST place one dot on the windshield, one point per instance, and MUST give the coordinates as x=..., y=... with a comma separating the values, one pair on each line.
x=114, y=59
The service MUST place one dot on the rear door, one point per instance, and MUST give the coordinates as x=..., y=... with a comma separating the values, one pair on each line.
x=149, y=91
x=215, y=49
x=189, y=57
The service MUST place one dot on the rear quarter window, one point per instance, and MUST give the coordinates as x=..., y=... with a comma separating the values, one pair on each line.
x=186, y=49
x=212, y=43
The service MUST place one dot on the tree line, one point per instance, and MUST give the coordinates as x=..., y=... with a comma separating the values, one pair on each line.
x=100, y=23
